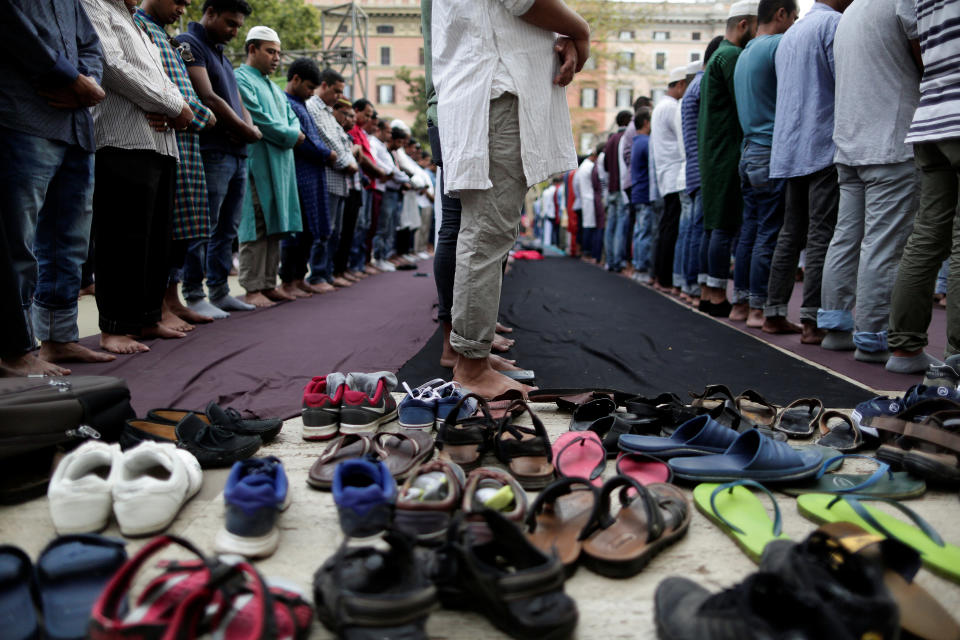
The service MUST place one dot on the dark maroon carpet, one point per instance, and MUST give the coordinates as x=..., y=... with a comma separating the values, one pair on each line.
x=259, y=361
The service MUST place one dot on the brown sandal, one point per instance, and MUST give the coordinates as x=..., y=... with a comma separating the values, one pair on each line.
x=559, y=519
x=345, y=447
x=402, y=452
x=756, y=408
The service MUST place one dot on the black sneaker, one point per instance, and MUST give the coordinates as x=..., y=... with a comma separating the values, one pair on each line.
x=374, y=591
x=213, y=446
x=229, y=419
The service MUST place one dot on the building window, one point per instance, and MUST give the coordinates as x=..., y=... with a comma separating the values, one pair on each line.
x=661, y=35
x=626, y=35
x=695, y=35
x=694, y=56
x=385, y=56
x=385, y=94
x=625, y=60
x=420, y=56
x=588, y=98
x=588, y=140
x=384, y=29
x=624, y=97
x=660, y=61
x=590, y=64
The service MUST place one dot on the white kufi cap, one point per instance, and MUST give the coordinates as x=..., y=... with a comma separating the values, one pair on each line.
x=694, y=66
x=400, y=124
x=676, y=74
x=743, y=8
x=262, y=33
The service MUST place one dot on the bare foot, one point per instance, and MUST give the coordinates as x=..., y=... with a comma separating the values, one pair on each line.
x=294, y=289
x=30, y=365
x=779, y=325
x=320, y=287
x=478, y=376
x=340, y=281
x=162, y=331
x=502, y=344
x=71, y=352
x=739, y=312
x=499, y=363
x=503, y=328
x=257, y=299
x=371, y=270
x=448, y=357
x=172, y=321
x=90, y=290
x=349, y=277
x=277, y=295
x=685, y=298
x=171, y=303
x=755, y=318
x=811, y=334
x=121, y=344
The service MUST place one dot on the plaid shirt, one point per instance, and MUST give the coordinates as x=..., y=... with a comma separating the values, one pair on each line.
x=339, y=182
x=191, y=213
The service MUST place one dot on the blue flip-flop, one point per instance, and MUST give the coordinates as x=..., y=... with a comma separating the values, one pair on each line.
x=752, y=456
x=700, y=436
x=70, y=574
x=18, y=618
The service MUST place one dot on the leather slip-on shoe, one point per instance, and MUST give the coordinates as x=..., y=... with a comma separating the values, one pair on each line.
x=229, y=418
x=213, y=446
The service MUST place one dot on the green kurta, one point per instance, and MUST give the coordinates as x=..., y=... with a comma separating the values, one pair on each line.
x=719, y=135
x=270, y=161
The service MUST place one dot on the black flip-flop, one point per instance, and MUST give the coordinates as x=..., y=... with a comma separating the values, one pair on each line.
x=840, y=432
x=799, y=419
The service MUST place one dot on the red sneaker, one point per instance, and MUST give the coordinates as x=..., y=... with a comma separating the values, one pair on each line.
x=367, y=403
x=321, y=411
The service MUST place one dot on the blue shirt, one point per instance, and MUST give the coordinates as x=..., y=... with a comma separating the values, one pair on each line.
x=689, y=113
x=310, y=159
x=47, y=44
x=803, y=131
x=755, y=85
x=640, y=170
x=210, y=56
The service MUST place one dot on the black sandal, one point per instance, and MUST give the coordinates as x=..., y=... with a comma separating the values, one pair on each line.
x=464, y=441
x=525, y=450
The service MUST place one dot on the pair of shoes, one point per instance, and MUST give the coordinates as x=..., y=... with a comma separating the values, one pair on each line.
x=431, y=403
x=384, y=265
x=229, y=419
x=213, y=445
x=348, y=404
x=255, y=494
x=400, y=452
x=64, y=584
x=144, y=487
x=573, y=517
x=423, y=255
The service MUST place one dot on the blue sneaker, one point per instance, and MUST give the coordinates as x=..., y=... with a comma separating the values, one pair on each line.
x=889, y=407
x=418, y=409
x=255, y=494
x=450, y=395
x=919, y=392
x=365, y=494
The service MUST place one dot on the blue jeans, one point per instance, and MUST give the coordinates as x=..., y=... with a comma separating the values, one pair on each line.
x=683, y=233
x=941, y=287
x=643, y=235
x=46, y=191
x=715, y=256
x=383, y=241
x=615, y=234
x=762, y=219
x=324, y=249
x=691, y=267
x=226, y=176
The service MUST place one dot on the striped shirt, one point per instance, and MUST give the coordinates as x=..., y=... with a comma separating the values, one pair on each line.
x=938, y=28
x=339, y=181
x=191, y=212
x=134, y=81
x=689, y=114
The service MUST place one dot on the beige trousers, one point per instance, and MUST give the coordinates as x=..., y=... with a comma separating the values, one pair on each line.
x=260, y=259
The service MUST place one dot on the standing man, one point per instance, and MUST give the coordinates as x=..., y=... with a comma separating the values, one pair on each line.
x=935, y=135
x=135, y=175
x=271, y=208
x=223, y=150
x=755, y=83
x=645, y=221
x=803, y=152
x=877, y=174
x=51, y=70
x=509, y=56
x=588, y=216
x=615, y=234
x=191, y=211
x=718, y=145
x=668, y=149
x=356, y=222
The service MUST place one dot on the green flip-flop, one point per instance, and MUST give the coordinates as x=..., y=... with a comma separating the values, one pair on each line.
x=882, y=483
x=740, y=514
x=937, y=555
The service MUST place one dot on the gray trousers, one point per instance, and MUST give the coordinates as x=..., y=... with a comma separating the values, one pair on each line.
x=877, y=207
x=488, y=228
x=935, y=236
x=260, y=259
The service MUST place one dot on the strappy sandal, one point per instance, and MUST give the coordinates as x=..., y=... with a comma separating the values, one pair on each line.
x=402, y=452
x=559, y=519
x=713, y=396
x=650, y=519
x=580, y=455
x=569, y=399
x=610, y=428
x=465, y=441
x=756, y=408
x=345, y=447
x=525, y=450
x=933, y=448
x=890, y=429
x=839, y=432
x=799, y=419
x=589, y=412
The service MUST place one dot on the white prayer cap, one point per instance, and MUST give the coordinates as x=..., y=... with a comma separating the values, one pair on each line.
x=743, y=8
x=676, y=74
x=262, y=33
x=694, y=66
x=400, y=124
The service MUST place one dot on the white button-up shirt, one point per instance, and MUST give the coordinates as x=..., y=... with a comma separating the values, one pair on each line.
x=667, y=144
x=584, y=181
x=470, y=40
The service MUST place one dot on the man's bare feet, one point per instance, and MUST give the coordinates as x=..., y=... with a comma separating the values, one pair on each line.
x=89, y=290
x=172, y=321
x=294, y=289
x=71, y=352
x=321, y=287
x=501, y=344
x=172, y=303
x=499, y=363
x=755, y=318
x=371, y=270
x=30, y=365
x=503, y=328
x=277, y=295
x=340, y=281
x=477, y=375
x=810, y=334
x=257, y=299
x=779, y=325
x=349, y=277
x=121, y=344
x=163, y=332
x=739, y=312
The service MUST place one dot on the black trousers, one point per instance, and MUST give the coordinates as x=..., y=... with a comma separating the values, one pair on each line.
x=351, y=211
x=14, y=333
x=132, y=218
x=667, y=239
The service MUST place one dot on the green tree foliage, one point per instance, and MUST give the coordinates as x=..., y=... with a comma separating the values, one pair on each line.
x=416, y=103
x=298, y=24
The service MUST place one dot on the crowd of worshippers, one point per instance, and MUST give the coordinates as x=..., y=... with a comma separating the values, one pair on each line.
x=145, y=159
x=824, y=139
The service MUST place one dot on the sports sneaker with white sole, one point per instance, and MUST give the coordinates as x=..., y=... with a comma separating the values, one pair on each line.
x=255, y=494
x=321, y=406
x=81, y=489
x=367, y=402
x=154, y=481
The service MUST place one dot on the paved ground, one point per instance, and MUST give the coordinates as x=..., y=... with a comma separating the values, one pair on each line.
x=608, y=608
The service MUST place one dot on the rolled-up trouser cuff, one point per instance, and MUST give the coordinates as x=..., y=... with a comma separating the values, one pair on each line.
x=808, y=314
x=702, y=279
x=174, y=276
x=55, y=325
x=739, y=296
x=692, y=290
x=217, y=292
x=869, y=341
x=907, y=340
x=835, y=320
x=679, y=281
x=757, y=302
x=716, y=283
x=775, y=311
x=469, y=348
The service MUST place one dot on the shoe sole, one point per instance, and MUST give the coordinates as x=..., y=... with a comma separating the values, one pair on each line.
x=318, y=433
x=417, y=427
x=630, y=568
x=137, y=532
x=257, y=547
x=370, y=426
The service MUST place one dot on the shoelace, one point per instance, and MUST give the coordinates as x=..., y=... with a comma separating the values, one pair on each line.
x=428, y=390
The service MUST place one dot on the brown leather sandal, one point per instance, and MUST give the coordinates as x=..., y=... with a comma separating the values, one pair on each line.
x=342, y=448
x=402, y=452
x=559, y=519
x=932, y=448
x=756, y=408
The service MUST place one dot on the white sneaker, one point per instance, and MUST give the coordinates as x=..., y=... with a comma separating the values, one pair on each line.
x=155, y=481
x=411, y=258
x=423, y=255
x=383, y=265
x=80, y=491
